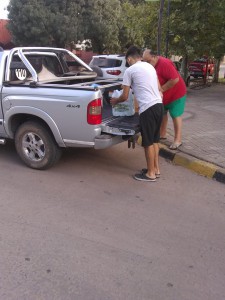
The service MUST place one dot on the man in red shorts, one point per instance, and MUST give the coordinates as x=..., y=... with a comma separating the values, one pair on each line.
x=174, y=94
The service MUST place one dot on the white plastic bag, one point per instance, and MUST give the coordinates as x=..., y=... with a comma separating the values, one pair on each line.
x=125, y=108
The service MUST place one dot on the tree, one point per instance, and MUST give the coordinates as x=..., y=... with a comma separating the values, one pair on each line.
x=138, y=24
x=28, y=22
x=45, y=22
x=199, y=33
x=197, y=26
x=65, y=20
x=100, y=20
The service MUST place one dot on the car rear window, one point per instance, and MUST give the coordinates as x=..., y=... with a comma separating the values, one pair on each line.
x=104, y=62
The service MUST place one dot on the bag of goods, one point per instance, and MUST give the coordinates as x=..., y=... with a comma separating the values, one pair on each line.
x=125, y=108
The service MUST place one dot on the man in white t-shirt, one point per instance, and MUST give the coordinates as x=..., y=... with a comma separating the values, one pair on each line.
x=145, y=85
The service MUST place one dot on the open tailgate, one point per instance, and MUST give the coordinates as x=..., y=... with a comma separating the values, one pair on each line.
x=119, y=125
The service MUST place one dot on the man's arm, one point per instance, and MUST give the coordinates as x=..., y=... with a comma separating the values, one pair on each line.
x=169, y=84
x=160, y=89
x=123, y=97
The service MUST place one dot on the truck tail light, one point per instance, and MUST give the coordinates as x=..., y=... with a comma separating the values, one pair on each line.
x=113, y=72
x=94, y=112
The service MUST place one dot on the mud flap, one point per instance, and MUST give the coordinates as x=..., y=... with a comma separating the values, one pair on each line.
x=132, y=141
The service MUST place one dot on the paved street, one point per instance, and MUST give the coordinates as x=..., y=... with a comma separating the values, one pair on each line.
x=85, y=230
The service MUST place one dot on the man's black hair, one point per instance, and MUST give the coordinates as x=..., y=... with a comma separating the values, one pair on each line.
x=133, y=51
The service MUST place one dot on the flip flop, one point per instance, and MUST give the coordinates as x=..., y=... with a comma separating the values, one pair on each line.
x=162, y=138
x=143, y=177
x=175, y=146
x=145, y=171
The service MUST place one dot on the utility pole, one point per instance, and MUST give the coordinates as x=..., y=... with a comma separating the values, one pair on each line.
x=159, y=35
x=168, y=28
x=159, y=28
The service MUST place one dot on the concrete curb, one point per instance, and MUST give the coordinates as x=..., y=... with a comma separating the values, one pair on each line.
x=198, y=166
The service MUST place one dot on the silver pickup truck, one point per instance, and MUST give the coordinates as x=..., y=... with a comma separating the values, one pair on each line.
x=50, y=100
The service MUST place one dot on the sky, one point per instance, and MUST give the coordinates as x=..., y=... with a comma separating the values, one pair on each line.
x=3, y=13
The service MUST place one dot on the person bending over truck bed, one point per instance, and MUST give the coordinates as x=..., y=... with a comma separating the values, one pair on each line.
x=174, y=94
x=145, y=85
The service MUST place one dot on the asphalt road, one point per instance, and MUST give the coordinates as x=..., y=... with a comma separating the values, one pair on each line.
x=86, y=230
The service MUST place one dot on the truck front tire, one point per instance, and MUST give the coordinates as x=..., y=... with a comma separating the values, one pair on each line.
x=36, y=146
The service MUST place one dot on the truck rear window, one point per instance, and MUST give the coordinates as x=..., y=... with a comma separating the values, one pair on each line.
x=104, y=62
x=47, y=67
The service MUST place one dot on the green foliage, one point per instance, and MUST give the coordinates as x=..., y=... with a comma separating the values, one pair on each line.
x=196, y=26
x=138, y=24
x=65, y=22
x=28, y=22
x=134, y=2
x=101, y=22
x=45, y=22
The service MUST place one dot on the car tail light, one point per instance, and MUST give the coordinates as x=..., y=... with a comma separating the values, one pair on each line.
x=94, y=112
x=114, y=72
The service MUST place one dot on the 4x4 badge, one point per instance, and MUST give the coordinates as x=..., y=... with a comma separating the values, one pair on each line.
x=73, y=106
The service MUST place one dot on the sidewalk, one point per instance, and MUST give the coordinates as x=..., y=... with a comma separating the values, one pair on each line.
x=203, y=148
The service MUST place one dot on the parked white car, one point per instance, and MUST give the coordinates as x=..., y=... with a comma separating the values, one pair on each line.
x=110, y=66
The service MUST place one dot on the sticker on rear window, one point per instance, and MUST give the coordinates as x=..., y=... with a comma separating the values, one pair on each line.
x=21, y=74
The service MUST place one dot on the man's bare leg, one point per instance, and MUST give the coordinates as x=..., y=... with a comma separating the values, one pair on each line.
x=156, y=159
x=164, y=126
x=177, y=124
x=150, y=159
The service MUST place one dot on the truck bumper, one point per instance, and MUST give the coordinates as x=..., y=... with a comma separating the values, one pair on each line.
x=100, y=142
x=106, y=140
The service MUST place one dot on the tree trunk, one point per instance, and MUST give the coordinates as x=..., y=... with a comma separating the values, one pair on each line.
x=184, y=67
x=216, y=70
x=206, y=76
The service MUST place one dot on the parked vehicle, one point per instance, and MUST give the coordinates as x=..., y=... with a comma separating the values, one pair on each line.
x=50, y=100
x=109, y=66
x=179, y=69
x=201, y=67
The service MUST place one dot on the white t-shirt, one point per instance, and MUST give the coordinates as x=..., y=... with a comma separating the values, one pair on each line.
x=143, y=79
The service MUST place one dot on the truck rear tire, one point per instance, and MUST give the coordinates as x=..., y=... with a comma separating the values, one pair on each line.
x=36, y=146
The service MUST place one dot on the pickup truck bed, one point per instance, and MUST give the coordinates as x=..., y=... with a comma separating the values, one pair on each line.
x=127, y=123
